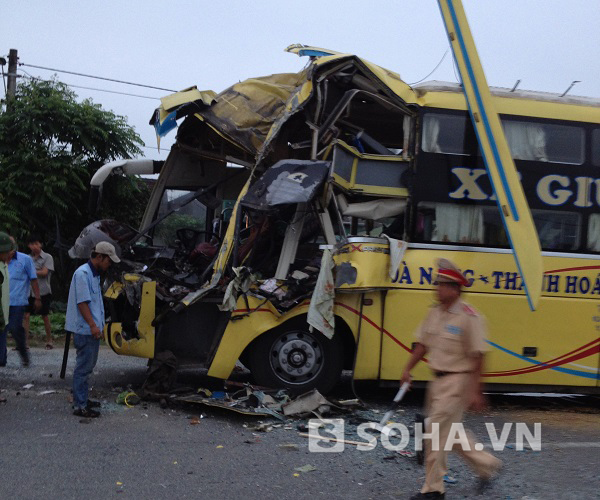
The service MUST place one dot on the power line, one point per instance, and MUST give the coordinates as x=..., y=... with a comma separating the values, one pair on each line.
x=433, y=70
x=154, y=147
x=92, y=88
x=96, y=77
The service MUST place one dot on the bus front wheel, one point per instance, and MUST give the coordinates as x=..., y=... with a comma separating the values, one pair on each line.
x=297, y=359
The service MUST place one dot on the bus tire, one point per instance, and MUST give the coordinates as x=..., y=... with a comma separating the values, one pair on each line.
x=296, y=359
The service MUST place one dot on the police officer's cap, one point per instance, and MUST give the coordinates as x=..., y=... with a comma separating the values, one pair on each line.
x=449, y=273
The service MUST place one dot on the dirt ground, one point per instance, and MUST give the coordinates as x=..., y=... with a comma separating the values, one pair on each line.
x=188, y=450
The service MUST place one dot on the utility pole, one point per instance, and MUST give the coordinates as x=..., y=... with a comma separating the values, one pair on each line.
x=12, y=76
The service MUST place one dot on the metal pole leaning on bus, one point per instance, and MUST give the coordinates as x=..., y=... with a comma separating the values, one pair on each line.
x=63, y=368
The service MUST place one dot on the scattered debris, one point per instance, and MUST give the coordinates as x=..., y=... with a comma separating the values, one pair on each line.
x=370, y=444
x=161, y=377
x=27, y=386
x=289, y=447
x=309, y=402
x=128, y=398
x=44, y=393
x=306, y=468
x=247, y=400
x=263, y=428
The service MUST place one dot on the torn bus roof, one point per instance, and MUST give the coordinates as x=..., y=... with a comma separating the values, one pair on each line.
x=258, y=115
x=175, y=106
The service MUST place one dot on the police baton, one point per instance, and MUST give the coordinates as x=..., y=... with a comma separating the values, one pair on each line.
x=381, y=426
x=63, y=368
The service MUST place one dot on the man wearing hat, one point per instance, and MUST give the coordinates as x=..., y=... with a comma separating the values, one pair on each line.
x=6, y=247
x=85, y=319
x=453, y=338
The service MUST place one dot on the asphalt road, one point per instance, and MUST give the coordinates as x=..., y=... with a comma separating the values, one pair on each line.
x=149, y=452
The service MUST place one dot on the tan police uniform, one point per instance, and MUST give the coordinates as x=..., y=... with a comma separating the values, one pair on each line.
x=454, y=339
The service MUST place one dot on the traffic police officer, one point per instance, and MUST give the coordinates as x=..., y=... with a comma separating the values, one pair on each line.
x=453, y=337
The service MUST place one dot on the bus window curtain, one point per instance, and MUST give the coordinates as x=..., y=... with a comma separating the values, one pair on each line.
x=431, y=133
x=593, y=242
x=458, y=224
x=527, y=141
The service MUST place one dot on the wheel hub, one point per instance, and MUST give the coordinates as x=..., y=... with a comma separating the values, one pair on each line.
x=297, y=357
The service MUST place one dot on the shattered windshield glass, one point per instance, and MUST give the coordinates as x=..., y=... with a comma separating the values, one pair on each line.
x=191, y=216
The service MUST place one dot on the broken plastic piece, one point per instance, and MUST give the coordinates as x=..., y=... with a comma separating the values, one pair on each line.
x=306, y=468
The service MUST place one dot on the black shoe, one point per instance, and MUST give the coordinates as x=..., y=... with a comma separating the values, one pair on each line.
x=93, y=404
x=86, y=413
x=484, y=484
x=431, y=495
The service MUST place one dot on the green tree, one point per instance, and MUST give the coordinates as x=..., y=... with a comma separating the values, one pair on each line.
x=50, y=146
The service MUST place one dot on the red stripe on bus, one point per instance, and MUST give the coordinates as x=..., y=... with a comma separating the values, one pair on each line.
x=372, y=323
x=545, y=366
x=583, y=268
x=596, y=341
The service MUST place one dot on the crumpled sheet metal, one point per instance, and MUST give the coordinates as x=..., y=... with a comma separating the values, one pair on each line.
x=250, y=114
x=251, y=402
x=287, y=182
x=305, y=403
x=245, y=112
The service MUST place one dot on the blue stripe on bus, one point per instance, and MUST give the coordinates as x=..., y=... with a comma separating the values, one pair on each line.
x=483, y=113
x=556, y=368
x=467, y=62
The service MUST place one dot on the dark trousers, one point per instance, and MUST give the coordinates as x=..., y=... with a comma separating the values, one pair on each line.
x=87, y=356
x=15, y=327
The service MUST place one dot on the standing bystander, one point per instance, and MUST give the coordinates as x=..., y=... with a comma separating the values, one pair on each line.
x=453, y=337
x=5, y=249
x=44, y=266
x=22, y=276
x=85, y=319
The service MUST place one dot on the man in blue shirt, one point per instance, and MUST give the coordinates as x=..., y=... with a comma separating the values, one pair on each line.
x=85, y=319
x=21, y=272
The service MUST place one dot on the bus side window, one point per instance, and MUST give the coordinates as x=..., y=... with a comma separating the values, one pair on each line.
x=448, y=133
x=596, y=147
x=482, y=225
x=593, y=242
x=450, y=223
x=535, y=141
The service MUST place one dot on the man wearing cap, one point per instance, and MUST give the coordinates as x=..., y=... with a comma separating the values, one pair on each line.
x=453, y=337
x=5, y=250
x=85, y=319
x=21, y=271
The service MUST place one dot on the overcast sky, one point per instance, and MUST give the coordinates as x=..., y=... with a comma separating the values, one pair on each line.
x=544, y=43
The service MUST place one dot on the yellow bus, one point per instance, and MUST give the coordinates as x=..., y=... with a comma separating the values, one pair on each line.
x=296, y=223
